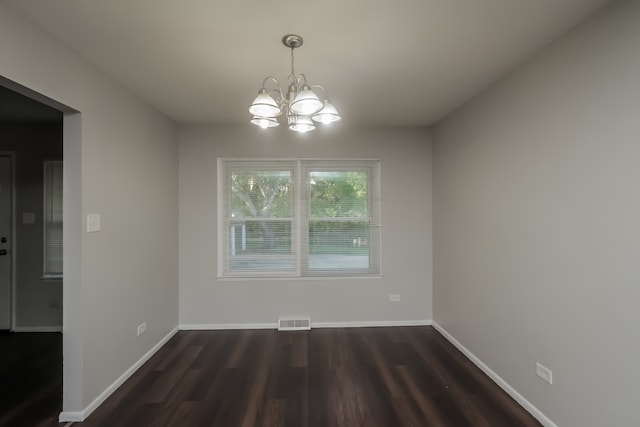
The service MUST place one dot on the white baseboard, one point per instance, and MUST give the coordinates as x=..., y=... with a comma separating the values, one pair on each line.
x=79, y=416
x=356, y=324
x=371, y=324
x=227, y=326
x=497, y=379
x=37, y=329
x=72, y=416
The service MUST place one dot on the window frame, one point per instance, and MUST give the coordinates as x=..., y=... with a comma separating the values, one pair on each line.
x=225, y=166
x=301, y=217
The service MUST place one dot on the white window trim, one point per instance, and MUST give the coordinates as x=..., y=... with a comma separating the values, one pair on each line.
x=299, y=274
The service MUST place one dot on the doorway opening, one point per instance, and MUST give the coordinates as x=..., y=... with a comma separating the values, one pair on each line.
x=31, y=136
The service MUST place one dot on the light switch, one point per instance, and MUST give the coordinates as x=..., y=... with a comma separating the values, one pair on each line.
x=93, y=223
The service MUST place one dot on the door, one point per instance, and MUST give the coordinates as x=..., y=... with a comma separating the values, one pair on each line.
x=6, y=187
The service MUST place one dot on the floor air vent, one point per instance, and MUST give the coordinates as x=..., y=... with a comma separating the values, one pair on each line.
x=294, y=324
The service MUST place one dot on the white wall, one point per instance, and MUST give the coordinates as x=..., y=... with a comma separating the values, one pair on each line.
x=406, y=230
x=536, y=210
x=120, y=162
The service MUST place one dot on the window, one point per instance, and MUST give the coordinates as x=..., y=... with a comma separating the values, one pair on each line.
x=52, y=219
x=299, y=218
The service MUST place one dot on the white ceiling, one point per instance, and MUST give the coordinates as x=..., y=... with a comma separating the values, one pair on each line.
x=384, y=62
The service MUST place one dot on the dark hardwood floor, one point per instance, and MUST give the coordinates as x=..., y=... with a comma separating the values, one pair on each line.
x=30, y=379
x=373, y=377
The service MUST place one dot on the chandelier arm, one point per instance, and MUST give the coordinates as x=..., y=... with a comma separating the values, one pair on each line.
x=273, y=79
x=277, y=90
x=324, y=91
x=301, y=80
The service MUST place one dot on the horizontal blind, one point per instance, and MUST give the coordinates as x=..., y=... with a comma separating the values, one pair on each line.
x=259, y=226
x=53, y=227
x=341, y=232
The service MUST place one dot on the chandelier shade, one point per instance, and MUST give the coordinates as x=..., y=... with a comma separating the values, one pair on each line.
x=306, y=102
x=327, y=115
x=301, y=124
x=299, y=105
x=264, y=105
x=265, y=122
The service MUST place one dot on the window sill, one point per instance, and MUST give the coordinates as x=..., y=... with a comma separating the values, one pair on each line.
x=52, y=278
x=299, y=278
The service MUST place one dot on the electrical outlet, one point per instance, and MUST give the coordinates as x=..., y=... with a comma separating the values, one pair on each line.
x=394, y=297
x=141, y=328
x=544, y=373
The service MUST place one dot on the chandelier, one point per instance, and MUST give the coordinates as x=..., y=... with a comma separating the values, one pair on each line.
x=300, y=105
